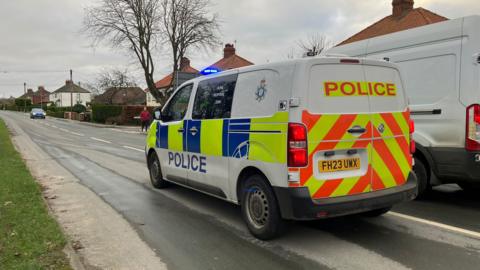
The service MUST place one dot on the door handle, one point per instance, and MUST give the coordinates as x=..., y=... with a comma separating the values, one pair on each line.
x=357, y=130
x=193, y=131
x=181, y=130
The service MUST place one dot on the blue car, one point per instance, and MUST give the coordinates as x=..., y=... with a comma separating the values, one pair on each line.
x=37, y=113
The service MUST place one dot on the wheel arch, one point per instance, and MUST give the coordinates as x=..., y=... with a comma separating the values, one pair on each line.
x=422, y=154
x=150, y=152
x=244, y=174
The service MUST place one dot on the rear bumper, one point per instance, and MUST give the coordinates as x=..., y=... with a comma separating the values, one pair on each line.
x=295, y=203
x=455, y=164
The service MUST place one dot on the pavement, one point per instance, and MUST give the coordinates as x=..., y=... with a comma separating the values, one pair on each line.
x=189, y=230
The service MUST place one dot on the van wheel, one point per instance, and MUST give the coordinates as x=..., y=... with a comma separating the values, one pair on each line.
x=156, y=177
x=377, y=212
x=260, y=208
x=422, y=177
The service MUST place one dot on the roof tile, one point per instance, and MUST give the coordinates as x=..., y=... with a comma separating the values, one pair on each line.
x=390, y=24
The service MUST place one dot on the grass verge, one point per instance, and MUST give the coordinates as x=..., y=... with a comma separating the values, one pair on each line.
x=29, y=237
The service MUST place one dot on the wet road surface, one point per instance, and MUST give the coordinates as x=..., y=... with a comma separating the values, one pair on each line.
x=189, y=230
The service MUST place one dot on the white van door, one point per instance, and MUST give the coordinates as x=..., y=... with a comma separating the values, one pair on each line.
x=391, y=158
x=171, y=136
x=337, y=117
x=207, y=135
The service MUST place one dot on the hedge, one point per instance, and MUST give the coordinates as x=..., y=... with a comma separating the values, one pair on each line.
x=101, y=113
x=55, y=114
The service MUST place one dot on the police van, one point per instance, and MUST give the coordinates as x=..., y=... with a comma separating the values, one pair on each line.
x=305, y=139
x=441, y=67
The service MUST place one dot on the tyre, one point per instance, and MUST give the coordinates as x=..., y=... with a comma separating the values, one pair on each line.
x=422, y=177
x=377, y=212
x=260, y=208
x=156, y=177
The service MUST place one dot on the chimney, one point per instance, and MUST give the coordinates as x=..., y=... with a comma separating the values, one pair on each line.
x=229, y=50
x=184, y=63
x=401, y=7
x=41, y=88
x=29, y=91
x=68, y=82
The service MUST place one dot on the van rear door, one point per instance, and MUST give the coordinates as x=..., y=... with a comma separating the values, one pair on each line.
x=391, y=158
x=337, y=117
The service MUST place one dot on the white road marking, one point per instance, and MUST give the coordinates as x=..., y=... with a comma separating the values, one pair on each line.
x=64, y=130
x=100, y=140
x=125, y=131
x=133, y=148
x=78, y=134
x=437, y=224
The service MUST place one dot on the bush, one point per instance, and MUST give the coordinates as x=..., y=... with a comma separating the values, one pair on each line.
x=22, y=102
x=79, y=108
x=101, y=113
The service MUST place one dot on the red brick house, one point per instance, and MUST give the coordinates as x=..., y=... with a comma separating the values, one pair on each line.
x=41, y=96
x=404, y=16
x=230, y=60
x=168, y=82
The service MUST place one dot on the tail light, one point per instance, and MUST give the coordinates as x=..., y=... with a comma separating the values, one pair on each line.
x=472, y=136
x=411, y=125
x=297, y=145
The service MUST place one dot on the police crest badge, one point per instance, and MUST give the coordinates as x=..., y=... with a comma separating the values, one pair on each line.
x=261, y=90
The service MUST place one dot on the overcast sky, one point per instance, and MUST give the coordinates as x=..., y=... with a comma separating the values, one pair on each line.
x=41, y=39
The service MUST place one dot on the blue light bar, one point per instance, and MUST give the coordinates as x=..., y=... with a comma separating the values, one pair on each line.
x=210, y=70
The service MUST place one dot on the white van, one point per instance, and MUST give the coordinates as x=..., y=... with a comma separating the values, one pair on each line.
x=441, y=68
x=305, y=139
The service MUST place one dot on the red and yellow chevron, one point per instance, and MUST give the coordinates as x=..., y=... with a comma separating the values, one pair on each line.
x=390, y=160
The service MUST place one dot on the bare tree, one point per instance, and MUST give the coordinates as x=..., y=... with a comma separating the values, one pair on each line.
x=133, y=24
x=314, y=45
x=115, y=78
x=187, y=24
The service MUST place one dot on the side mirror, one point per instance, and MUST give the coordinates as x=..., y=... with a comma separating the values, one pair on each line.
x=157, y=113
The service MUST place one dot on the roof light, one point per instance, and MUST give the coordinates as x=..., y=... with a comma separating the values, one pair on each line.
x=210, y=70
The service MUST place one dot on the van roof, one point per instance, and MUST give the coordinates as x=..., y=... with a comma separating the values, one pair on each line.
x=324, y=59
x=451, y=29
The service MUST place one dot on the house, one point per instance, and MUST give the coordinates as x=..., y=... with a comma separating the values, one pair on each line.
x=121, y=96
x=230, y=60
x=70, y=94
x=6, y=102
x=41, y=96
x=170, y=82
x=28, y=95
x=404, y=16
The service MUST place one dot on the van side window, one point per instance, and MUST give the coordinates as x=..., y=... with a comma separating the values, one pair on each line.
x=214, y=98
x=177, y=107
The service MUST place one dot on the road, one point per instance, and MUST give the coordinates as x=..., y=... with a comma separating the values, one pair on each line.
x=189, y=230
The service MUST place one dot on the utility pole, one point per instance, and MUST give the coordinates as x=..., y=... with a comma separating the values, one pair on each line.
x=41, y=99
x=25, y=99
x=71, y=90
